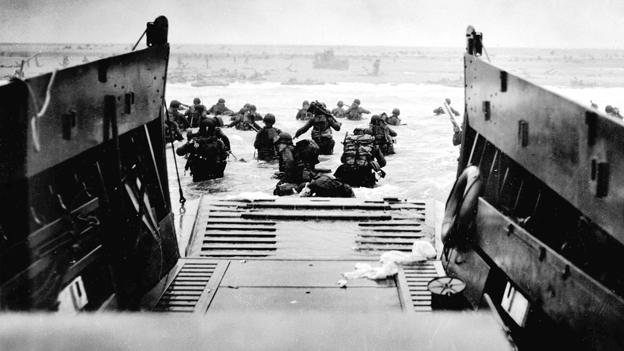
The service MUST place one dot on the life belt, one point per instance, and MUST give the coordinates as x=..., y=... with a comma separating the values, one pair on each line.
x=461, y=206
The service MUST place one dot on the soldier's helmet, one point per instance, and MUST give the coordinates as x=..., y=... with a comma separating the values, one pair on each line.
x=252, y=107
x=269, y=119
x=305, y=103
x=356, y=101
x=221, y=101
x=174, y=104
x=196, y=101
x=206, y=125
x=396, y=111
x=284, y=138
x=200, y=108
x=448, y=101
x=340, y=103
x=375, y=119
x=609, y=109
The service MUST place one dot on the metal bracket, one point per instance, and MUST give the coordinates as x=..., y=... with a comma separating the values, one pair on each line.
x=591, y=119
x=128, y=102
x=157, y=31
x=602, y=179
x=487, y=112
x=523, y=133
x=503, y=81
x=68, y=121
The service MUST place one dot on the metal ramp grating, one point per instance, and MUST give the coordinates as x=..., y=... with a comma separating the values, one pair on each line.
x=398, y=233
x=191, y=286
x=412, y=284
x=236, y=238
x=293, y=227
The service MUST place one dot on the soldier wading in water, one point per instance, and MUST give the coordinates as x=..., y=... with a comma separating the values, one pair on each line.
x=321, y=124
x=207, y=150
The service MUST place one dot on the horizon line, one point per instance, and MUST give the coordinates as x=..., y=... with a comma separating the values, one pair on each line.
x=313, y=45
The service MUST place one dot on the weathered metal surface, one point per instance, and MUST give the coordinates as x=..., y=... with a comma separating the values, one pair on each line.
x=190, y=288
x=535, y=127
x=261, y=331
x=137, y=77
x=309, y=228
x=288, y=263
x=472, y=269
x=82, y=162
x=295, y=273
x=560, y=289
x=306, y=299
x=315, y=216
x=201, y=285
x=412, y=285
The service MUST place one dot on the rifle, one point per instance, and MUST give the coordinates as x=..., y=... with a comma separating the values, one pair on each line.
x=231, y=153
x=252, y=126
x=447, y=108
x=317, y=109
x=378, y=169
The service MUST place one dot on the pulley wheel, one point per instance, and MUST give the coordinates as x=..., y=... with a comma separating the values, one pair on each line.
x=446, y=286
x=446, y=293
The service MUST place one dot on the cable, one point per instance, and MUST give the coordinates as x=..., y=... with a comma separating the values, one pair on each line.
x=175, y=161
x=138, y=41
x=40, y=113
x=486, y=54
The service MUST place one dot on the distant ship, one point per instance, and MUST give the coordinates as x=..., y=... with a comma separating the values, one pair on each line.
x=327, y=60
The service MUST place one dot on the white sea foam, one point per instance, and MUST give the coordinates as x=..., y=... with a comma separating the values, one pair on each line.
x=425, y=162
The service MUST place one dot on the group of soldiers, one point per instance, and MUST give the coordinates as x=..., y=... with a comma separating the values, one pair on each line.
x=362, y=157
x=208, y=149
x=353, y=112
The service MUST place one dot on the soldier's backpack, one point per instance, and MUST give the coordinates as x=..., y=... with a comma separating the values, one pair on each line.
x=307, y=151
x=268, y=136
x=284, y=189
x=326, y=186
x=210, y=149
x=381, y=134
x=321, y=127
x=358, y=149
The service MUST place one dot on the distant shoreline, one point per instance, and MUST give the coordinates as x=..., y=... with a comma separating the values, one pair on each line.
x=218, y=65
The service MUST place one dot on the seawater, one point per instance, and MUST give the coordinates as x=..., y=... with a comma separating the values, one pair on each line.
x=425, y=159
x=423, y=167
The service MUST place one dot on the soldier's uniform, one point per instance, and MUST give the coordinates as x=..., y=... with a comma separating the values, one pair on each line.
x=394, y=119
x=219, y=109
x=383, y=135
x=207, y=151
x=339, y=112
x=265, y=139
x=321, y=132
x=355, y=112
x=303, y=113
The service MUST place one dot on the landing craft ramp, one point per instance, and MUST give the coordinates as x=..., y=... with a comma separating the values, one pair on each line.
x=288, y=253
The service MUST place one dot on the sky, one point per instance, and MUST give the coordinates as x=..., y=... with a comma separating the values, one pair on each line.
x=442, y=23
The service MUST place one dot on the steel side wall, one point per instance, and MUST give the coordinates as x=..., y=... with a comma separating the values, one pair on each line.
x=559, y=151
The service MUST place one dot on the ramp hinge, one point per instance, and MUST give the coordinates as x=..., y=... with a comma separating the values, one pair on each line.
x=68, y=122
x=487, y=112
x=503, y=79
x=602, y=179
x=591, y=119
x=523, y=133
